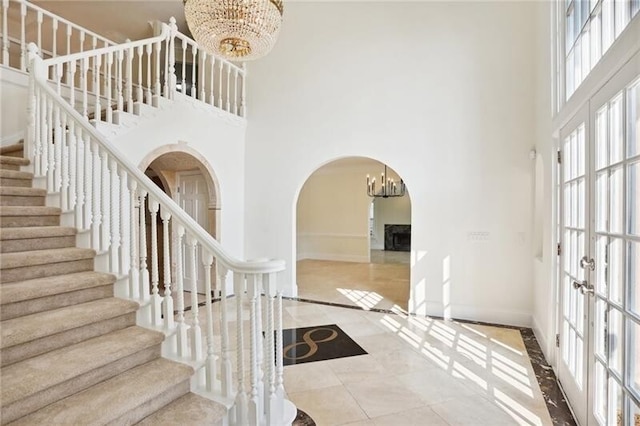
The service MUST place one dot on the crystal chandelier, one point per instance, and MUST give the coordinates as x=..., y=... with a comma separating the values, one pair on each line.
x=238, y=30
x=388, y=187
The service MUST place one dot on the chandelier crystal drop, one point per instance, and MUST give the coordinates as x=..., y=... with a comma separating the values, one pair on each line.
x=239, y=30
x=387, y=187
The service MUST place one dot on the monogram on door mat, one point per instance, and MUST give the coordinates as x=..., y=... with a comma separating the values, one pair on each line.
x=317, y=343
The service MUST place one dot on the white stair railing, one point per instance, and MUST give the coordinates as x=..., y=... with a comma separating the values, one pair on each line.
x=53, y=34
x=112, y=200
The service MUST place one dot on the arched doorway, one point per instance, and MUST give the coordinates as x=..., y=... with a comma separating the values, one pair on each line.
x=189, y=182
x=352, y=248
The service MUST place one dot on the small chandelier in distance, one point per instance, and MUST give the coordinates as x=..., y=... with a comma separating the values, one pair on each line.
x=237, y=30
x=388, y=187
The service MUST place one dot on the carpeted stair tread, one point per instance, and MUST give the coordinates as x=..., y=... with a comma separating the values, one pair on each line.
x=15, y=174
x=112, y=399
x=27, y=232
x=44, y=257
x=17, y=161
x=8, y=149
x=33, y=375
x=22, y=192
x=42, y=324
x=29, y=211
x=49, y=286
x=190, y=409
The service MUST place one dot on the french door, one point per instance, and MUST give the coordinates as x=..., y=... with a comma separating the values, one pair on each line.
x=599, y=321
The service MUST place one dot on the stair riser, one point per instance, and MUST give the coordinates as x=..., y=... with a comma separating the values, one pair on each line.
x=19, y=200
x=42, y=304
x=6, y=166
x=17, y=221
x=16, y=153
x=36, y=401
x=46, y=344
x=47, y=270
x=27, y=244
x=154, y=404
x=22, y=183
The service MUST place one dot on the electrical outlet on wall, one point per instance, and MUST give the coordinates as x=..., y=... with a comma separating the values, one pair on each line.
x=478, y=236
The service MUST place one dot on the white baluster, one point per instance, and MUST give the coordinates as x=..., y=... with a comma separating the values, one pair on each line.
x=50, y=148
x=129, y=81
x=29, y=142
x=260, y=343
x=184, y=67
x=57, y=77
x=82, y=38
x=79, y=177
x=253, y=404
x=220, y=102
x=210, y=376
x=172, y=57
x=148, y=51
x=156, y=300
x=271, y=402
x=134, y=268
x=144, y=271
x=114, y=248
x=57, y=144
x=124, y=224
x=97, y=63
x=279, y=359
x=69, y=33
x=196, y=332
x=88, y=184
x=228, y=88
x=64, y=164
x=108, y=109
x=241, y=396
x=139, y=92
x=165, y=87
x=37, y=133
x=119, y=94
x=225, y=367
x=71, y=75
x=106, y=203
x=97, y=212
x=39, y=36
x=157, y=88
x=203, y=68
x=236, y=95
x=54, y=40
x=181, y=328
x=23, y=38
x=243, y=91
x=84, y=86
x=212, y=99
x=5, y=33
x=44, y=132
x=165, y=215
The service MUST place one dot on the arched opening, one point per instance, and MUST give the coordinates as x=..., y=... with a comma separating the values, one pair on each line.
x=353, y=248
x=187, y=181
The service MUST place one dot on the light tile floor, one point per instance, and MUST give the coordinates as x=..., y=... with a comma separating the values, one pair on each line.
x=419, y=371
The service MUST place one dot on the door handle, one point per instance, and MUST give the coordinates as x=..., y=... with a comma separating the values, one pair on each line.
x=585, y=263
x=583, y=286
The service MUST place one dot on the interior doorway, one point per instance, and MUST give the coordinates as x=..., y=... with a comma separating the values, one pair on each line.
x=189, y=182
x=353, y=248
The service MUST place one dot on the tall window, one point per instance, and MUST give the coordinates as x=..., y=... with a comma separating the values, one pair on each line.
x=591, y=27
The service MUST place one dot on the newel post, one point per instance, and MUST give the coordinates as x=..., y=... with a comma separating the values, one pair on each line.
x=172, y=57
x=36, y=71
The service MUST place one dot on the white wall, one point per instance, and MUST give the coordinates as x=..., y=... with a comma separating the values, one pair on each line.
x=333, y=215
x=13, y=105
x=543, y=262
x=389, y=211
x=442, y=92
x=212, y=138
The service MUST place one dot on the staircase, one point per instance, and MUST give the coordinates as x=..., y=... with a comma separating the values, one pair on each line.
x=71, y=353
